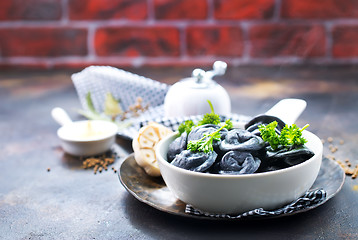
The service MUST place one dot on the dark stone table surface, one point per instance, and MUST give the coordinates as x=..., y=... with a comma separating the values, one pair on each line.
x=69, y=202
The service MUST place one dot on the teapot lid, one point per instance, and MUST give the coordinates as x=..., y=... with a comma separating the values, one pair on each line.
x=202, y=79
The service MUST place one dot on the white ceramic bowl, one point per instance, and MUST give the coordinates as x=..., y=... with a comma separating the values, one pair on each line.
x=76, y=141
x=216, y=193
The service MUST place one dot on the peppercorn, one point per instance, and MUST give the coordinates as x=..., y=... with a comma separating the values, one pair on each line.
x=99, y=163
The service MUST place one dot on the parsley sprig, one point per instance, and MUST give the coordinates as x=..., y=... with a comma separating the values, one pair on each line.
x=208, y=118
x=186, y=126
x=229, y=124
x=290, y=137
x=205, y=144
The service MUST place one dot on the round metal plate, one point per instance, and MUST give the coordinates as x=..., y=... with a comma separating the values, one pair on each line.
x=154, y=192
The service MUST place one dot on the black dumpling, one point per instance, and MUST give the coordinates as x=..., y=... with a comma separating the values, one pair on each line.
x=290, y=157
x=177, y=146
x=236, y=162
x=283, y=158
x=194, y=161
x=253, y=125
x=241, y=140
x=199, y=131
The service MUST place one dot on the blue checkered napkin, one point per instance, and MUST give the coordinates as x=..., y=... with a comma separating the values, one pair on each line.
x=126, y=86
x=174, y=122
x=310, y=199
x=156, y=115
x=123, y=85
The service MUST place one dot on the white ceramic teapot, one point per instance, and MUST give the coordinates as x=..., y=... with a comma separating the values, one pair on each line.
x=190, y=95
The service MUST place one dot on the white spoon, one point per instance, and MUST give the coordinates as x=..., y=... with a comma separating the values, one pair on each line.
x=60, y=116
x=288, y=110
x=284, y=112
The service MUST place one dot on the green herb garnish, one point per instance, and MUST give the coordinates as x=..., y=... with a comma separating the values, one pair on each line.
x=205, y=144
x=290, y=137
x=91, y=112
x=186, y=126
x=210, y=118
x=268, y=134
x=112, y=109
x=229, y=124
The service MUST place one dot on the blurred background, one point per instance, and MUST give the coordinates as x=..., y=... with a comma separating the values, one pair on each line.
x=68, y=34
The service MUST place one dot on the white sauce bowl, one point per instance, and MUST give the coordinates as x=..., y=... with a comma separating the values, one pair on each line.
x=215, y=193
x=89, y=137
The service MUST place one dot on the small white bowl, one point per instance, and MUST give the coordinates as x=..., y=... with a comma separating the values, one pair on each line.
x=89, y=137
x=215, y=193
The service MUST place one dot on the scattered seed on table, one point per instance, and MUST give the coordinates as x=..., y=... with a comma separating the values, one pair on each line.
x=100, y=162
x=333, y=149
x=349, y=171
x=346, y=166
x=349, y=164
x=95, y=169
x=341, y=164
x=355, y=172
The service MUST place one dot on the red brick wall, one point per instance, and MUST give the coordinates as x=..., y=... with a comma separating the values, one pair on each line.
x=78, y=33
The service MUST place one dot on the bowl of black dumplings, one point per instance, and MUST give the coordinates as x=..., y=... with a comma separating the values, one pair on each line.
x=241, y=172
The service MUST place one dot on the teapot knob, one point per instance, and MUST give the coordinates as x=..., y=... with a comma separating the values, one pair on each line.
x=219, y=67
x=198, y=74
